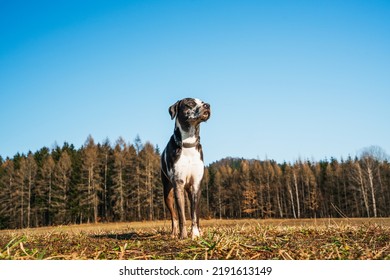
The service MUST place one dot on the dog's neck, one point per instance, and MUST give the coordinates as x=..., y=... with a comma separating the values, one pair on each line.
x=186, y=136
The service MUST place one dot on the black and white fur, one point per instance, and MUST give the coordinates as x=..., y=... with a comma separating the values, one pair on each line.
x=182, y=164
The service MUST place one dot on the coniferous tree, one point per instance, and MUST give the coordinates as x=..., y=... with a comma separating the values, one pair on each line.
x=205, y=211
x=45, y=189
x=120, y=184
x=90, y=187
x=105, y=158
x=21, y=194
x=60, y=190
x=278, y=189
x=138, y=147
x=7, y=203
x=149, y=163
x=219, y=193
x=31, y=172
x=249, y=194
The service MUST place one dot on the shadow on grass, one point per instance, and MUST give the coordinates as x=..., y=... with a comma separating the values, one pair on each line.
x=129, y=236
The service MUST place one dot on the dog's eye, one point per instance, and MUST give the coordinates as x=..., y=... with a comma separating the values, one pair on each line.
x=190, y=105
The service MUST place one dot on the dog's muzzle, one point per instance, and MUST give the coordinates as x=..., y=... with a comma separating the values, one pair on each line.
x=206, y=112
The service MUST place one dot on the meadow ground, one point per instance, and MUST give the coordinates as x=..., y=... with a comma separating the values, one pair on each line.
x=318, y=239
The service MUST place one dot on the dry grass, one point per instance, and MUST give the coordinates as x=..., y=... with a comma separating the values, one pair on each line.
x=227, y=239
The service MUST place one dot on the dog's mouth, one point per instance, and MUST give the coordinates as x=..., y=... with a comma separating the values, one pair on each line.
x=206, y=115
x=201, y=116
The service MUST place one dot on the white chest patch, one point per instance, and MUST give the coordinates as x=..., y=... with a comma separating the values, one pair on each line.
x=189, y=167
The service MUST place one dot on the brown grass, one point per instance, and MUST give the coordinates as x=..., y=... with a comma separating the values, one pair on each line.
x=320, y=239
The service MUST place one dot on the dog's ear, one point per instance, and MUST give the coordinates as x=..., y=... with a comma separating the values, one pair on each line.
x=173, y=110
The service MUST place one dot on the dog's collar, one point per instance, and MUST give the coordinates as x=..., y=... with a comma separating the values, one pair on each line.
x=190, y=145
x=185, y=145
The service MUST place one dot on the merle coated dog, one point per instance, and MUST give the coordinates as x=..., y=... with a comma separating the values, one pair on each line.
x=182, y=165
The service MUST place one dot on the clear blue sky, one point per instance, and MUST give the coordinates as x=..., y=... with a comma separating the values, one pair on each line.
x=285, y=79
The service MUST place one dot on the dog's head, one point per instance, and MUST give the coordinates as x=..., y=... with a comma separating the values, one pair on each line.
x=190, y=110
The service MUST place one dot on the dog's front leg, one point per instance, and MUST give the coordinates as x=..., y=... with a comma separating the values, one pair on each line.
x=180, y=202
x=194, y=196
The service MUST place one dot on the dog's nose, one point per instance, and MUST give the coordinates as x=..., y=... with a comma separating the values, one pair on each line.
x=206, y=106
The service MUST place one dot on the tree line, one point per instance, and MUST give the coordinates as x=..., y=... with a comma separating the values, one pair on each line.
x=121, y=182
x=96, y=183
x=355, y=187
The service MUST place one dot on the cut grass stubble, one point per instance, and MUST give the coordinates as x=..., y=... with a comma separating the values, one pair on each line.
x=357, y=239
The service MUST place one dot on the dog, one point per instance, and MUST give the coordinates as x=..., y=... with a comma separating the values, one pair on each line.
x=182, y=164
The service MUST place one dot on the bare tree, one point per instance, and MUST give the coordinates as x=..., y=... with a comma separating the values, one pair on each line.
x=249, y=195
x=119, y=194
x=288, y=182
x=295, y=171
x=91, y=185
x=149, y=163
x=45, y=190
x=31, y=172
x=105, y=157
x=138, y=147
x=268, y=177
x=205, y=188
x=218, y=185
x=21, y=192
x=371, y=158
x=59, y=196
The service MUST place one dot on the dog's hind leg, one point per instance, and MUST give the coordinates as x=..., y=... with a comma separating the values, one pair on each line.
x=180, y=202
x=170, y=203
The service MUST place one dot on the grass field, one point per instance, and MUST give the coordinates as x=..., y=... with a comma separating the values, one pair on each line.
x=320, y=239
